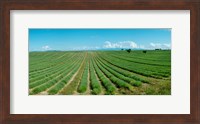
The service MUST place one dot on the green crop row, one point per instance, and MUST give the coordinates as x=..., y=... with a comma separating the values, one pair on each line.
x=37, y=60
x=44, y=70
x=151, y=55
x=135, y=60
x=142, y=70
x=98, y=72
x=71, y=88
x=123, y=72
x=120, y=83
x=45, y=77
x=95, y=84
x=44, y=63
x=110, y=88
x=159, y=70
x=59, y=72
x=53, y=81
x=84, y=81
x=42, y=67
x=51, y=71
x=120, y=76
x=58, y=87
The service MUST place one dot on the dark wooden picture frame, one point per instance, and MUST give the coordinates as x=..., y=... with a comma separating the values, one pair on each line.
x=7, y=5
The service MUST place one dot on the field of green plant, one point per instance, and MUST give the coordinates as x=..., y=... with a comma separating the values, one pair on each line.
x=100, y=73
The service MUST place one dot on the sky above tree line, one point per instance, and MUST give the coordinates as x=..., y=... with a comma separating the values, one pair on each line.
x=98, y=39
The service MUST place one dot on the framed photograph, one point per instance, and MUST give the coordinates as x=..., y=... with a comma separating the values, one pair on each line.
x=92, y=62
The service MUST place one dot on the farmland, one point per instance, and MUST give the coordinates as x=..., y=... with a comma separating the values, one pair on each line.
x=100, y=72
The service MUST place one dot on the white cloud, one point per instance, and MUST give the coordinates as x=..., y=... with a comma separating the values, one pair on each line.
x=141, y=47
x=159, y=46
x=46, y=47
x=86, y=48
x=123, y=44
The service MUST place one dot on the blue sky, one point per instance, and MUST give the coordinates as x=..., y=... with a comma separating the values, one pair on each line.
x=94, y=39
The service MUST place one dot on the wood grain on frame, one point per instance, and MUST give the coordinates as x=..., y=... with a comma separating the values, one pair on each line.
x=1, y=71
x=7, y=5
